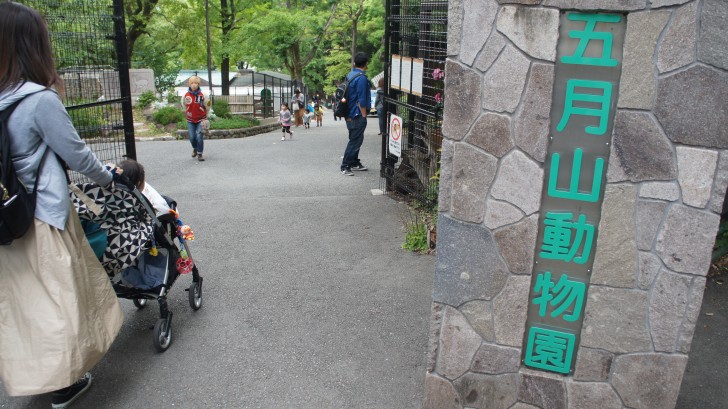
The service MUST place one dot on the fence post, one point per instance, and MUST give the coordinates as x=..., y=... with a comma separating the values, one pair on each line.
x=125, y=87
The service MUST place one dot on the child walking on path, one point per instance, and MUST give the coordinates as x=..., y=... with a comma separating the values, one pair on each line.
x=285, y=119
x=319, y=111
x=196, y=111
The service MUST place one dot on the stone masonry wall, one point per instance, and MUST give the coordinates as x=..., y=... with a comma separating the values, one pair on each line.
x=667, y=178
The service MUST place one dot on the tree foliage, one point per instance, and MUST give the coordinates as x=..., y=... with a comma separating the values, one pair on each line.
x=311, y=40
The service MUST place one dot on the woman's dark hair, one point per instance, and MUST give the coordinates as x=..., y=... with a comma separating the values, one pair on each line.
x=298, y=91
x=25, y=47
x=134, y=171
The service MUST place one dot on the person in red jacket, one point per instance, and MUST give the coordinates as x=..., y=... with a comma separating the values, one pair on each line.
x=196, y=108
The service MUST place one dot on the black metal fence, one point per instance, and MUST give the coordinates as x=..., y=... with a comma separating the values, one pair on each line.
x=415, y=29
x=89, y=46
x=260, y=95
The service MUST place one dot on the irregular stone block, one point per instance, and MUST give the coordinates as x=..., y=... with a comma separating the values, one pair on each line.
x=616, y=320
x=592, y=395
x=454, y=26
x=644, y=152
x=525, y=2
x=639, y=81
x=434, y=340
x=517, y=244
x=484, y=391
x=519, y=182
x=503, y=83
x=478, y=14
x=496, y=360
x=667, y=308
x=592, y=365
x=696, y=169
x=687, y=329
x=686, y=238
x=467, y=265
x=532, y=121
x=462, y=93
x=533, y=30
x=720, y=184
x=678, y=44
x=499, y=214
x=458, y=344
x=615, y=262
x=615, y=5
x=473, y=173
x=615, y=171
x=480, y=316
x=669, y=191
x=521, y=405
x=650, y=266
x=447, y=150
x=490, y=51
x=712, y=48
x=691, y=107
x=440, y=393
x=663, y=3
x=648, y=381
x=649, y=217
x=509, y=311
x=492, y=133
x=542, y=391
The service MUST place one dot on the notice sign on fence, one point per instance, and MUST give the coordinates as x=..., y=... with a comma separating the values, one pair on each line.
x=395, y=135
x=586, y=83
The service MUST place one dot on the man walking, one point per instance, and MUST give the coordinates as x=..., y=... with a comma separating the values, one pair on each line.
x=356, y=119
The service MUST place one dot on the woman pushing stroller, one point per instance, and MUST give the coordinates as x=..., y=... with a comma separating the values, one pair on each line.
x=49, y=272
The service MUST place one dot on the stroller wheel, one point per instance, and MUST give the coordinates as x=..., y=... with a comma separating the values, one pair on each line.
x=140, y=302
x=162, y=335
x=195, y=295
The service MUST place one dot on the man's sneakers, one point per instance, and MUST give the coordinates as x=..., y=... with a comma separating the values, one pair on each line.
x=359, y=167
x=194, y=153
x=62, y=398
x=200, y=158
x=347, y=172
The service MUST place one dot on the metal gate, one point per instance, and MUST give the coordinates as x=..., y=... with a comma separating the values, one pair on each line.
x=89, y=48
x=416, y=31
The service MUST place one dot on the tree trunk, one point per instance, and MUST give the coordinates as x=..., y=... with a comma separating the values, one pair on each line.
x=138, y=13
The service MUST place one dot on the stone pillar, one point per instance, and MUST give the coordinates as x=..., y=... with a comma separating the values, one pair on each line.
x=667, y=178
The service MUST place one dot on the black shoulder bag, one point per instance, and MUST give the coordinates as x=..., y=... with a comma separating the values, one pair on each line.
x=17, y=205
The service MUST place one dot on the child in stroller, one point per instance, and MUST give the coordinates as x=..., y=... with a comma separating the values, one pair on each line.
x=145, y=243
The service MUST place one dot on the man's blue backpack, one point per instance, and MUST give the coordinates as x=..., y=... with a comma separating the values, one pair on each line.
x=342, y=96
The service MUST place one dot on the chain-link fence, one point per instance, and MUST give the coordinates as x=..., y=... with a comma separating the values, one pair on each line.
x=89, y=46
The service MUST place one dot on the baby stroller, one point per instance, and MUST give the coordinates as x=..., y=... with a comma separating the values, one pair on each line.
x=143, y=254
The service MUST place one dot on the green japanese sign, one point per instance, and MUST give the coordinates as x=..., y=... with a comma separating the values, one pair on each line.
x=586, y=83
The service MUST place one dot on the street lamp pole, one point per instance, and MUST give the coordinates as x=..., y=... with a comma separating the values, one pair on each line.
x=209, y=55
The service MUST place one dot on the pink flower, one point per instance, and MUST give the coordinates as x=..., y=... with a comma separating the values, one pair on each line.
x=438, y=74
x=438, y=98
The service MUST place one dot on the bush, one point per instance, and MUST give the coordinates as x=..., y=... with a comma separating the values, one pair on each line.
x=146, y=99
x=221, y=108
x=172, y=98
x=87, y=121
x=168, y=115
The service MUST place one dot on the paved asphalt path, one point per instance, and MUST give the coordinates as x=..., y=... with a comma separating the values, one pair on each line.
x=309, y=301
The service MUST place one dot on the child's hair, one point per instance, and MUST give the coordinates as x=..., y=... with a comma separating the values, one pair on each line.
x=133, y=170
x=194, y=79
x=283, y=104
